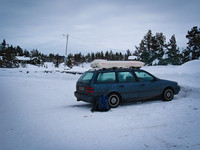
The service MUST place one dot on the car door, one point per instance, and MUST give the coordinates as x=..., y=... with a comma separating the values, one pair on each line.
x=149, y=86
x=105, y=82
x=127, y=86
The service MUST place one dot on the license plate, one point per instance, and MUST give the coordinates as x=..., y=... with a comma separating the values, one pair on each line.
x=81, y=88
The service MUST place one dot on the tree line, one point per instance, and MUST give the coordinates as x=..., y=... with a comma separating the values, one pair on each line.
x=152, y=50
x=8, y=56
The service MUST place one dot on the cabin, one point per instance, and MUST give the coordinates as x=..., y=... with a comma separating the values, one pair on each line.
x=28, y=60
x=132, y=58
x=23, y=59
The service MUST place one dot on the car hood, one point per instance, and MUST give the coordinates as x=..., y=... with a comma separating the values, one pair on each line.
x=168, y=81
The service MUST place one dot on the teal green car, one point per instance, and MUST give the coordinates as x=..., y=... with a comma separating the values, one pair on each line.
x=123, y=85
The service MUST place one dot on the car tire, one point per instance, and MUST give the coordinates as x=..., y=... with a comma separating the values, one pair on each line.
x=114, y=100
x=168, y=94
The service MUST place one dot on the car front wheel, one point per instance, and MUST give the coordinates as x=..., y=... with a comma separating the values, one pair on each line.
x=168, y=94
x=114, y=100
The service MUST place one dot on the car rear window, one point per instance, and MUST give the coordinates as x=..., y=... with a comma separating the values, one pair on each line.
x=86, y=77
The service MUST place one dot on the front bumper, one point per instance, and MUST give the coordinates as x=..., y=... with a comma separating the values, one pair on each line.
x=177, y=89
x=85, y=97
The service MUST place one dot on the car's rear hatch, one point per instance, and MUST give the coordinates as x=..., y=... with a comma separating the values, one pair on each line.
x=84, y=83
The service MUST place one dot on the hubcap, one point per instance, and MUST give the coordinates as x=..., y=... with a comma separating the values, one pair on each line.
x=168, y=94
x=113, y=100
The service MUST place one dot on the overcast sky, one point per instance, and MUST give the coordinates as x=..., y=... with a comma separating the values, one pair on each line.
x=93, y=25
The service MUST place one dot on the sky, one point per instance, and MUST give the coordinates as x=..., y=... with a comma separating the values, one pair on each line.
x=93, y=25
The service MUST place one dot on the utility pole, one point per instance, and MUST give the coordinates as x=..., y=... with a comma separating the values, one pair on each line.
x=67, y=37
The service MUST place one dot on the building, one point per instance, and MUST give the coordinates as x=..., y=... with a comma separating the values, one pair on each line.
x=23, y=59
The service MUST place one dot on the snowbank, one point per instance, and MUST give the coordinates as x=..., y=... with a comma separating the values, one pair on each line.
x=187, y=75
x=190, y=67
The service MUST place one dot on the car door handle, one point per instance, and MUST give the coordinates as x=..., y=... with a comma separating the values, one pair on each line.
x=142, y=84
x=121, y=86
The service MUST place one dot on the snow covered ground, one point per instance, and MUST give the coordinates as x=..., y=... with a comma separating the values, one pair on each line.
x=39, y=111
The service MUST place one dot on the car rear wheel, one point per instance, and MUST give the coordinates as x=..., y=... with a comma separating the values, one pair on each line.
x=168, y=94
x=114, y=100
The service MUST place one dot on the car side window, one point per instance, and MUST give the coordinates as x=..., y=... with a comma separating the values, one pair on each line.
x=143, y=76
x=106, y=77
x=125, y=77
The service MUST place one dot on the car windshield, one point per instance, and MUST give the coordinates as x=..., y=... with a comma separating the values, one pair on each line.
x=86, y=77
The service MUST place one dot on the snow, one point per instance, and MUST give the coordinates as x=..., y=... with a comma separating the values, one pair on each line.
x=39, y=111
x=191, y=70
x=155, y=62
x=23, y=58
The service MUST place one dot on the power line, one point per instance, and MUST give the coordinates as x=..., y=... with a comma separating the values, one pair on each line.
x=94, y=44
x=44, y=44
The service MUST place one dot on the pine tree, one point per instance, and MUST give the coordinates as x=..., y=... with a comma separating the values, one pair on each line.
x=144, y=50
x=107, y=55
x=193, y=48
x=117, y=56
x=88, y=57
x=26, y=53
x=159, y=49
x=19, y=51
x=56, y=61
x=92, y=56
x=3, y=44
x=151, y=48
x=111, y=55
x=9, y=59
x=128, y=53
x=35, y=53
x=173, y=53
x=69, y=62
x=185, y=56
x=51, y=57
x=78, y=58
x=120, y=56
x=102, y=55
x=8, y=54
x=98, y=55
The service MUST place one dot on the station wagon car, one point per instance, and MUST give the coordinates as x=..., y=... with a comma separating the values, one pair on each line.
x=123, y=85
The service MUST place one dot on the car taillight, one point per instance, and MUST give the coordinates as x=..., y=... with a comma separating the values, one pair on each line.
x=89, y=89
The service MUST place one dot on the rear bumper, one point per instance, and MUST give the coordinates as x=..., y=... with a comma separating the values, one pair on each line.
x=85, y=97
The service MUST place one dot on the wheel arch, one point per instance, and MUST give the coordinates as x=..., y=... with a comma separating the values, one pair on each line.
x=115, y=92
x=168, y=87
